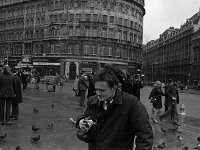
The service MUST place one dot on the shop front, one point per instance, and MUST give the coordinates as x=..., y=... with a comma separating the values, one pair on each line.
x=47, y=68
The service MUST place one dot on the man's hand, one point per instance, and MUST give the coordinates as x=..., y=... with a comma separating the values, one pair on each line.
x=85, y=123
x=173, y=98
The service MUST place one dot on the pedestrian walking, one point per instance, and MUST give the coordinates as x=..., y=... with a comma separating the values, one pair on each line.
x=82, y=86
x=91, y=88
x=18, y=99
x=37, y=80
x=7, y=93
x=156, y=99
x=113, y=118
x=75, y=87
x=127, y=84
x=170, y=102
x=55, y=82
x=24, y=77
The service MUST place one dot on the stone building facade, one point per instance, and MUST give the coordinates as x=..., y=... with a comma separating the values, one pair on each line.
x=175, y=55
x=72, y=36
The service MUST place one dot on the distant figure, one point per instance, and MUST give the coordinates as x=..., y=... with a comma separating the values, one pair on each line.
x=82, y=85
x=18, y=99
x=137, y=85
x=91, y=88
x=156, y=94
x=75, y=87
x=55, y=82
x=61, y=84
x=127, y=85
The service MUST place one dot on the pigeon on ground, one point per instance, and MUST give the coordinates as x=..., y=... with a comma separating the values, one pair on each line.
x=52, y=105
x=34, y=128
x=18, y=147
x=71, y=120
x=35, y=138
x=163, y=130
x=3, y=136
x=50, y=125
x=185, y=148
x=35, y=110
x=197, y=147
x=179, y=140
x=160, y=146
x=198, y=143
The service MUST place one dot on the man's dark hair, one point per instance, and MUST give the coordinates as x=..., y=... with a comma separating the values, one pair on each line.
x=108, y=76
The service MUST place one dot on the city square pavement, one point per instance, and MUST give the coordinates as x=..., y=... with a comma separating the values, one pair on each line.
x=62, y=135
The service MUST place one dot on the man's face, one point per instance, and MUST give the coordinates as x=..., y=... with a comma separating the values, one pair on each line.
x=103, y=91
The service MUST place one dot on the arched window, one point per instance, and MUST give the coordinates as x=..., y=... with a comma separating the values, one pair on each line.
x=38, y=21
x=42, y=34
x=32, y=22
x=37, y=34
x=57, y=32
x=27, y=35
x=31, y=34
x=27, y=22
x=41, y=49
x=52, y=5
x=52, y=48
x=17, y=36
x=36, y=49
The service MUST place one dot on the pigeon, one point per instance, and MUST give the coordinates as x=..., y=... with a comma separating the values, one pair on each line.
x=3, y=136
x=35, y=138
x=50, y=125
x=163, y=130
x=179, y=140
x=52, y=105
x=160, y=146
x=35, y=110
x=71, y=120
x=34, y=128
x=197, y=147
x=18, y=147
x=185, y=148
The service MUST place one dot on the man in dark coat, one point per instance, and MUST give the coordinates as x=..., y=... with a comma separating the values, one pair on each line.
x=82, y=85
x=7, y=93
x=117, y=117
x=17, y=99
x=170, y=102
x=137, y=85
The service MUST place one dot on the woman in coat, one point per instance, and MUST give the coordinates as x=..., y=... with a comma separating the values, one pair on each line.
x=156, y=94
x=7, y=93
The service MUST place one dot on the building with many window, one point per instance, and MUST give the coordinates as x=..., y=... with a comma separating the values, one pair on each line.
x=176, y=54
x=71, y=36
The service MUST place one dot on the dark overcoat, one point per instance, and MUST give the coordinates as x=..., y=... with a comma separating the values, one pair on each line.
x=157, y=93
x=170, y=91
x=7, y=81
x=119, y=124
x=18, y=98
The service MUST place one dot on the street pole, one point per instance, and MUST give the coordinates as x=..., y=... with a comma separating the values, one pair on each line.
x=152, y=73
x=7, y=57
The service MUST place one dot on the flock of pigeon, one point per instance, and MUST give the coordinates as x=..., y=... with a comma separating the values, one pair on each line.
x=179, y=143
x=34, y=128
x=35, y=139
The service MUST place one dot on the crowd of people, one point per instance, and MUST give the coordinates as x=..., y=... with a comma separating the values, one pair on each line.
x=114, y=117
x=10, y=95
